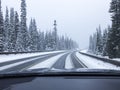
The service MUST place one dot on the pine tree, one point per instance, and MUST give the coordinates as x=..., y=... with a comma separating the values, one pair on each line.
x=17, y=28
x=59, y=43
x=99, y=44
x=2, y=32
x=63, y=43
x=105, y=37
x=19, y=46
x=30, y=34
x=23, y=27
x=12, y=31
x=67, y=43
x=34, y=36
x=114, y=33
x=47, y=40
x=94, y=42
x=7, y=29
x=41, y=42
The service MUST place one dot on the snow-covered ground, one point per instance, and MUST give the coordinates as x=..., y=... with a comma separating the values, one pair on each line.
x=86, y=51
x=116, y=59
x=94, y=63
x=10, y=57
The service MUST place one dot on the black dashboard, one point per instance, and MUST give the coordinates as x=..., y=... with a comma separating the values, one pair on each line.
x=61, y=83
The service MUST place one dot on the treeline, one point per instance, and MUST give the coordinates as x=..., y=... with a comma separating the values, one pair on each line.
x=108, y=43
x=16, y=36
x=98, y=42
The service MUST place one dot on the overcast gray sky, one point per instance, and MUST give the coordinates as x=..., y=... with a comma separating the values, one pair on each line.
x=75, y=18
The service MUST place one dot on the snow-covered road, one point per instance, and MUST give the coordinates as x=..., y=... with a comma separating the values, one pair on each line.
x=54, y=60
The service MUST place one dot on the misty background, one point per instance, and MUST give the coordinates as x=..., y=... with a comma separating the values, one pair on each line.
x=77, y=19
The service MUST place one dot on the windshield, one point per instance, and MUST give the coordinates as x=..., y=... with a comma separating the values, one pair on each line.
x=59, y=35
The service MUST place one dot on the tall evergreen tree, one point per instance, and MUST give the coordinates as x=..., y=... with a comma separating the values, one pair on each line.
x=114, y=34
x=105, y=37
x=63, y=43
x=99, y=41
x=46, y=41
x=23, y=27
x=94, y=45
x=12, y=31
x=34, y=36
x=17, y=28
x=2, y=32
x=7, y=29
x=41, y=42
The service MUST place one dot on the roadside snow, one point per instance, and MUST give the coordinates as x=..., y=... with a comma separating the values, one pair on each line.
x=68, y=63
x=11, y=57
x=47, y=63
x=116, y=59
x=94, y=63
x=84, y=51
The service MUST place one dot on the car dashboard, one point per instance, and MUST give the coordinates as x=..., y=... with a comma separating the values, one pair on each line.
x=61, y=81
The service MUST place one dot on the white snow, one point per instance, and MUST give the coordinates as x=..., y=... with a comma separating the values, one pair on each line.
x=47, y=63
x=84, y=51
x=94, y=63
x=10, y=57
x=116, y=59
x=68, y=63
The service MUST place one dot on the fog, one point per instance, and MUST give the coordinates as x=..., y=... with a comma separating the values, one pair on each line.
x=77, y=19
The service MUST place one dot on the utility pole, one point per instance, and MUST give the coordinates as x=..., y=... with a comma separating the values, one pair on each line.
x=55, y=32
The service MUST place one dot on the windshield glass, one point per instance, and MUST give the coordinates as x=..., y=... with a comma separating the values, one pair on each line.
x=59, y=35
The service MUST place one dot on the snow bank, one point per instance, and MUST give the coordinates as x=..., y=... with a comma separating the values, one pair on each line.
x=106, y=57
x=84, y=51
x=94, y=63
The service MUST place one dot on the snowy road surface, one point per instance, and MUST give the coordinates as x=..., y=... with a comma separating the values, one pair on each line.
x=57, y=60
